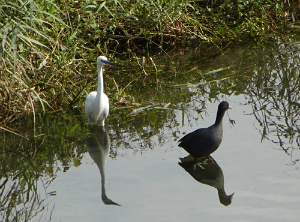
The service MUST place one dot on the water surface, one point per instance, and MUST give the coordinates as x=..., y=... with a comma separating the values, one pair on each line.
x=130, y=171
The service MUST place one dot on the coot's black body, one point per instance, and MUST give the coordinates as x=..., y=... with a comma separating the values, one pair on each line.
x=205, y=141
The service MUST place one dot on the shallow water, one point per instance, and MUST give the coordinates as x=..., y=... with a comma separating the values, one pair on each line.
x=152, y=186
x=138, y=157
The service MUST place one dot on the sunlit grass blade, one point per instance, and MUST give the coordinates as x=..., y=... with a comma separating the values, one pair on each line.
x=217, y=70
x=53, y=16
x=139, y=110
x=13, y=132
x=32, y=41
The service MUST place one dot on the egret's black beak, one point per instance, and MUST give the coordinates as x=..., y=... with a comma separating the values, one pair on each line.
x=110, y=63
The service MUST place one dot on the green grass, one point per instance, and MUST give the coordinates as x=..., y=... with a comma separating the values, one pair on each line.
x=48, y=48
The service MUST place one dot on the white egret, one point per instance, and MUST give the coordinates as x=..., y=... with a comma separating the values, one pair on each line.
x=97, y=103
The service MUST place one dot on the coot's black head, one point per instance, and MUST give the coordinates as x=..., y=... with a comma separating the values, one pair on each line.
x=224, y=106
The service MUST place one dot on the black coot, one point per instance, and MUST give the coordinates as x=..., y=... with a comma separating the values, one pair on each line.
x=204, y=141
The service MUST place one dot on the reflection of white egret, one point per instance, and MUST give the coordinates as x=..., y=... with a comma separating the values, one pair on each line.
x=98, y=145
x=96, y=103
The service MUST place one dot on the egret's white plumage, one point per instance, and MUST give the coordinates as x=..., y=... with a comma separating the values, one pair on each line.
x=96, y=103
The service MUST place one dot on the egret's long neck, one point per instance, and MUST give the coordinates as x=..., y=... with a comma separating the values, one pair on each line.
x=100, y=80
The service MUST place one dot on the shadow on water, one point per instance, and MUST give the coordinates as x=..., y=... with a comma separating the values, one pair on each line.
x=98, y=146
x=207, y=171
x=266, y=79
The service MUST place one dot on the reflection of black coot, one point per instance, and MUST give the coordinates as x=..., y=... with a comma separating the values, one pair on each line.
x=204, y=141
x=207, y=171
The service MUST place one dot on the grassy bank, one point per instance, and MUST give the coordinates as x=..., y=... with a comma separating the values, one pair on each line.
x=47, y=47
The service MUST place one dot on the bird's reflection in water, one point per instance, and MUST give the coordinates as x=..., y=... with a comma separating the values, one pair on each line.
x=98, y=146
x=207, y=171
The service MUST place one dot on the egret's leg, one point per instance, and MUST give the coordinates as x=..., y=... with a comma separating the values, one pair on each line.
x=101, y=122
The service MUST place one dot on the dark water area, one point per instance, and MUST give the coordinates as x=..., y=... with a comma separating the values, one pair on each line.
x=58, y=169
